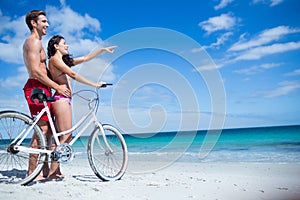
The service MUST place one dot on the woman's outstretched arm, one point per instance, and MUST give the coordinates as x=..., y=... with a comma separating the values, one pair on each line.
x=93, y=54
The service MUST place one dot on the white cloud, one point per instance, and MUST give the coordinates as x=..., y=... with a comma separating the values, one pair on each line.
x=206, y=67
x=275, y=2
x=259, y=52
x=79, y=30
x=219, y=23
x=62, y=2
x=270, y=2
x=12, y=32
x=264, y=44
x=220, y=41
x=223, y=4
x=257, y=68
x=71, y=24
x=284, y=88
x=270, y=65
x=16, y=81
x=267, y=36
x=97, y=69
x=293, y=73
x=82, y=46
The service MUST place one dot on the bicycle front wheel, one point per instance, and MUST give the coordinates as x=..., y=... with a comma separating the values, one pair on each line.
x=17, y=167
x=107, y=153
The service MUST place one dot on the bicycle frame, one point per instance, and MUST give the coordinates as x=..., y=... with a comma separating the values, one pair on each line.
x=56, y=134
x=25, y=150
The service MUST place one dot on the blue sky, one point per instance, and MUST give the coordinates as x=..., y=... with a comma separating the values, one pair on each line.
x=180, y=64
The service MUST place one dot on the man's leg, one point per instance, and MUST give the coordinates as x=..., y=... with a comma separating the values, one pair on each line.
x=35, y=144
x=33, y=157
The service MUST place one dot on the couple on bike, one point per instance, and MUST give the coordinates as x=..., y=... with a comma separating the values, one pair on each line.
x=57, y=77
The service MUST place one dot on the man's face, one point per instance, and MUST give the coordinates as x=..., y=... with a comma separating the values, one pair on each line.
x=42, y=25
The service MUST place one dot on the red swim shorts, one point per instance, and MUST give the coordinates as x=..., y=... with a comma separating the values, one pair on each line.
x=36, y=108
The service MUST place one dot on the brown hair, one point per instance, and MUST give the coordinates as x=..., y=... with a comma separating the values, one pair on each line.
x=68, y=60
x=33, y=15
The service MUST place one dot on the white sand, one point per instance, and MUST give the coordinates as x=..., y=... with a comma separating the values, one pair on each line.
x=211, y=181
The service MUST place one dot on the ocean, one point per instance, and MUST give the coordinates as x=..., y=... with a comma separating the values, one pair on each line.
x=279, y=144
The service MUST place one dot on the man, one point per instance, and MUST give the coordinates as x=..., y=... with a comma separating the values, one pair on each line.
x=35, y=60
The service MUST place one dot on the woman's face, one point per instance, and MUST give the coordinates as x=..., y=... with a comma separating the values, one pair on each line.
x=62, y=47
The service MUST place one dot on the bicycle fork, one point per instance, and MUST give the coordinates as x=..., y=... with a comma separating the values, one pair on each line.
x=103, y=136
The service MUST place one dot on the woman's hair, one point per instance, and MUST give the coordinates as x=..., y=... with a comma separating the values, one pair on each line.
x=68, y=60
x=33, y=15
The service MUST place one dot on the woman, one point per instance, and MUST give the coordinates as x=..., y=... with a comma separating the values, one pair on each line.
x=60, y=64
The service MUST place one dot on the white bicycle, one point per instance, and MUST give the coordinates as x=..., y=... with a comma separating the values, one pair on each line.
x=107, y=149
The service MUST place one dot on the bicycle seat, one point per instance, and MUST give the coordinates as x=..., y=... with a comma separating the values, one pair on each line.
x=38, y=96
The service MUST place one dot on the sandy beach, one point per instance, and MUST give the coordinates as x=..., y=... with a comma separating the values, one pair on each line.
x=180, y=180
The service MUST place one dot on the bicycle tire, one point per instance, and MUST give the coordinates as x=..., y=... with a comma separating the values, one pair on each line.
x=14, y=165
x=107, y=165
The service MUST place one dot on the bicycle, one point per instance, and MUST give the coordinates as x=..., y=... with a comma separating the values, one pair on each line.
x=107, y=149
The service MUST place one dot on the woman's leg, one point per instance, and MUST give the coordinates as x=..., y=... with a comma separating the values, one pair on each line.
x=63, y=119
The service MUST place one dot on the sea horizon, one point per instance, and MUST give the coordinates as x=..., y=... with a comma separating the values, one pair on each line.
x=280, y=144
x=223, y=129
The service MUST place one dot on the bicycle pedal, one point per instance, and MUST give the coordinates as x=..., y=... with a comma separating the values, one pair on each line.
x=64, y=153
x=54, y=156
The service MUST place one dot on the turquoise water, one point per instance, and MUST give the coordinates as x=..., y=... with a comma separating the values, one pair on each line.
x=267, y=144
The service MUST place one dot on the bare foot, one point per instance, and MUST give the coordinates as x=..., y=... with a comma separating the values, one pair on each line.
x=40, y=177
x=56, y=177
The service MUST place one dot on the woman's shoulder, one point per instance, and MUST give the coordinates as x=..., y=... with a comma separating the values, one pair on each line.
x=54, y=62
x=53, y=59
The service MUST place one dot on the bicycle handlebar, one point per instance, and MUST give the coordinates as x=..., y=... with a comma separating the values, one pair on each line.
x=105, y=85
x=39, y=96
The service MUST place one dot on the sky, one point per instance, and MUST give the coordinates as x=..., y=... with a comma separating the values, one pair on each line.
x=179, y=65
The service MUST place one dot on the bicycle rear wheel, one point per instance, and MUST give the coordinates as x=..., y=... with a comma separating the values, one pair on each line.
x=108, y=160
x=14, y=165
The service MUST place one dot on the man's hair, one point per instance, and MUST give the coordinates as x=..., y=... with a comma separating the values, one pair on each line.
x=33, y=15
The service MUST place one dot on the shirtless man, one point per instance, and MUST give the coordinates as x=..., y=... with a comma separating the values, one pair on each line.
x=35, y=60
